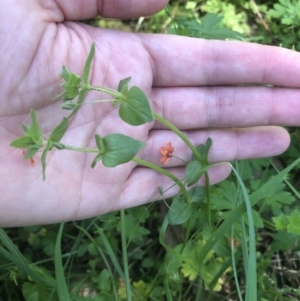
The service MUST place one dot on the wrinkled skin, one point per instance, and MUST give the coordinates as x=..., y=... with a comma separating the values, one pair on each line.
x=194, y=83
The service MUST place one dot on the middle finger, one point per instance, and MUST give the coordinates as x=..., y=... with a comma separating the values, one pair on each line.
x=244, y=106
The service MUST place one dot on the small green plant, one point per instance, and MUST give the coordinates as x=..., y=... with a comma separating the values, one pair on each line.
x=207, y=233
x=115, y=149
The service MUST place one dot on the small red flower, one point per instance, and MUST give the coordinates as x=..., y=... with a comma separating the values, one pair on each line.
x=23, y=153
x=167, y=153
x=31, y=161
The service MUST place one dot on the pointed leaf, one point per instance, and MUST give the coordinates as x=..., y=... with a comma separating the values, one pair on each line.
x=203, y=149
x=23, y=142
x=71, y=87
x=104, y=281
x=123, y=85
x=193, y=172
x=31, y=151
x=88, y=64
x=135, y=109
x=209, y=21
x=35, y=131
x=65, y=73
x=26, y=129
x=59, y=130
x=120, y=149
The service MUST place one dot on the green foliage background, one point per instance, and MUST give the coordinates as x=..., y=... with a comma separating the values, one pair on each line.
x=91, y=249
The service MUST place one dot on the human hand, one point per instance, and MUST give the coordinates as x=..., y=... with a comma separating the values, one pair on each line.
x=195, y=84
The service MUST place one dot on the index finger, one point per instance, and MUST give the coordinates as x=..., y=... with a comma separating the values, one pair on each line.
x=183, y=61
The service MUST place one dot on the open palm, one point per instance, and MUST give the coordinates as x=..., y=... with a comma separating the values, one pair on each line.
x=195, y=84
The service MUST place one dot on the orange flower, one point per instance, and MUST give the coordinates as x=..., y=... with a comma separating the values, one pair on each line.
x=167, y=153
x=23, y=153
x=31, y=161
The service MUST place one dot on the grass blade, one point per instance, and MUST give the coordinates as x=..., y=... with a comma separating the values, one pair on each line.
x=62, y=288
x=125, y=258
x=251, y=276
x=111, y=253
x=24, y=266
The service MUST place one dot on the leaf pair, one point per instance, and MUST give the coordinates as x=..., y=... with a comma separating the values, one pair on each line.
x=33, y=140
x=134, y=105
x=116, y=149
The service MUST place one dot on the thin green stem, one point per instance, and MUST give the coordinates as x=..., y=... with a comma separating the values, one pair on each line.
x=164, y=172
x=185, y=162
x=92, y=102
x=125, y=258
x=106, y=91
x=81, y=149
x=180, y=134
x=207, y=188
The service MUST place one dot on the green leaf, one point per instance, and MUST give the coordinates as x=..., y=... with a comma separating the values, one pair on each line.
x=172, y=262
x=35, y=131
x=280, y=222
x=135, y=232
x=294, y=223
x=104, y=282
x=179, y=211
x=59, y=131
x=135, y=109
x=65, y=73
x=203, y=150
x=210, y=28
x=222, y=247
x=26, y=129
x=31, y=151
x=120, y=149
x=23, y=142
x=71, y=84
x=80, y=100
x=284, y=241
x=123, y=85
x=197, y=194
x=88, y=63
x=224, y=196
x=193, y=172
